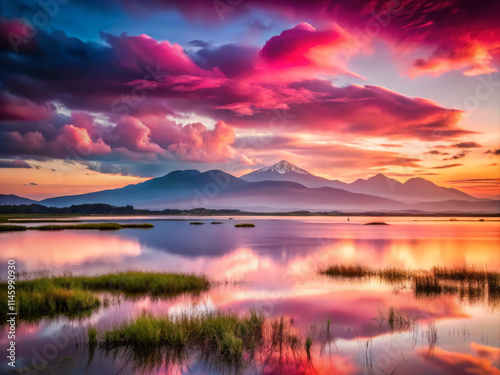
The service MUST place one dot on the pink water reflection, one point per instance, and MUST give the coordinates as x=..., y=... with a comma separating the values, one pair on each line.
x=279, y=260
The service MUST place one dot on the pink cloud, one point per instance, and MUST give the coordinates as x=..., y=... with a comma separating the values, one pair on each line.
x=472, y=57
x=75, y=139
x=459, y=363
x=148, y=56
x=408, y=25
x=304, y=52
x=20, y=109
x=197, y=143
x=133, y=135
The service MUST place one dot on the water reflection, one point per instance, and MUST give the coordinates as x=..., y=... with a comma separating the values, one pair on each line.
x=279, y=259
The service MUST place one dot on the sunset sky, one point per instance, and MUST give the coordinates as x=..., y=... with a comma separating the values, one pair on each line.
x=101, y=94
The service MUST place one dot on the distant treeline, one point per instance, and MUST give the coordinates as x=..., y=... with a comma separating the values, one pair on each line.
x=104, y=209
x=107, y=209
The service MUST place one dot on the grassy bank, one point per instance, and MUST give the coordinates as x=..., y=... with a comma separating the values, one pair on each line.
x=90, y=226
x=72, y=294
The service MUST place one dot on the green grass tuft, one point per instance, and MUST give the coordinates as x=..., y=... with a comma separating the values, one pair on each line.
x=245, y=225
x=225, y=335
x=73, y=294
x=92, y=337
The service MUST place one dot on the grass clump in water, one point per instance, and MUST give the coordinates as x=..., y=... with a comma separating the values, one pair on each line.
x=395, y=319
x=460, y=273
x=92, y=336
x=92, y=226
x=196, y=223
x=347, y=271
x=154, y=283
x=73, y=294
x=42, y=221
x=12, y=228
x=32, y=304
x=226, y=335
x=216, y=222
x=245, y=225
x=468, y=283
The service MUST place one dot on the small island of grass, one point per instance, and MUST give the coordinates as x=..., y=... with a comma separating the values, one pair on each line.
x=216, y=222
x=376, y=223
x=12, y=228
x=90, y=226
x=196, y=223
x=245, y=225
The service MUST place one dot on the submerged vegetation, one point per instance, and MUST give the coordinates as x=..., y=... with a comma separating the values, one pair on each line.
x=90, y=226
x=245, y=225
x=396, y=320
x=468, y=283
x=73, y=294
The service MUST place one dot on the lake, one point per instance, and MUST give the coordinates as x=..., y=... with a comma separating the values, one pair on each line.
x=273, y=268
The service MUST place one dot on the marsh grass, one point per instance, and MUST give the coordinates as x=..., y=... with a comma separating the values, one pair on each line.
x=470, y=284
x=395, y=319
x=42, y=221
x=224, y=335
x=348, y=271
x=245, y=225
x=33, y=304
x=12, y=228
x=225, y=342
x=196, y=223
x=216, y=222
x=92, y=337
x=91, y=226
x=73, y=294
x=153, y=283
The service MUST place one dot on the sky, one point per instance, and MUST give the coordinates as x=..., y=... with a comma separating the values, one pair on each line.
x=97, y=95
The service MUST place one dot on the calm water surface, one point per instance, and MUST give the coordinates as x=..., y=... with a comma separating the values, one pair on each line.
x=278, y=260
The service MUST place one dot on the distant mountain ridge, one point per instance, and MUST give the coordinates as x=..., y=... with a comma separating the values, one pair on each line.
x=14, y=199
x=286, y=171
x=284, y=188
x=217, y=189
x=413, y=190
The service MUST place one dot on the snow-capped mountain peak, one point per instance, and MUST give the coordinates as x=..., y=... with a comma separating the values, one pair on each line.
x=283, y=167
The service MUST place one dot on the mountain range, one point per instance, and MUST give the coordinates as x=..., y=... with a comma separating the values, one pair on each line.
x=412, y=191
x=280, y=187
